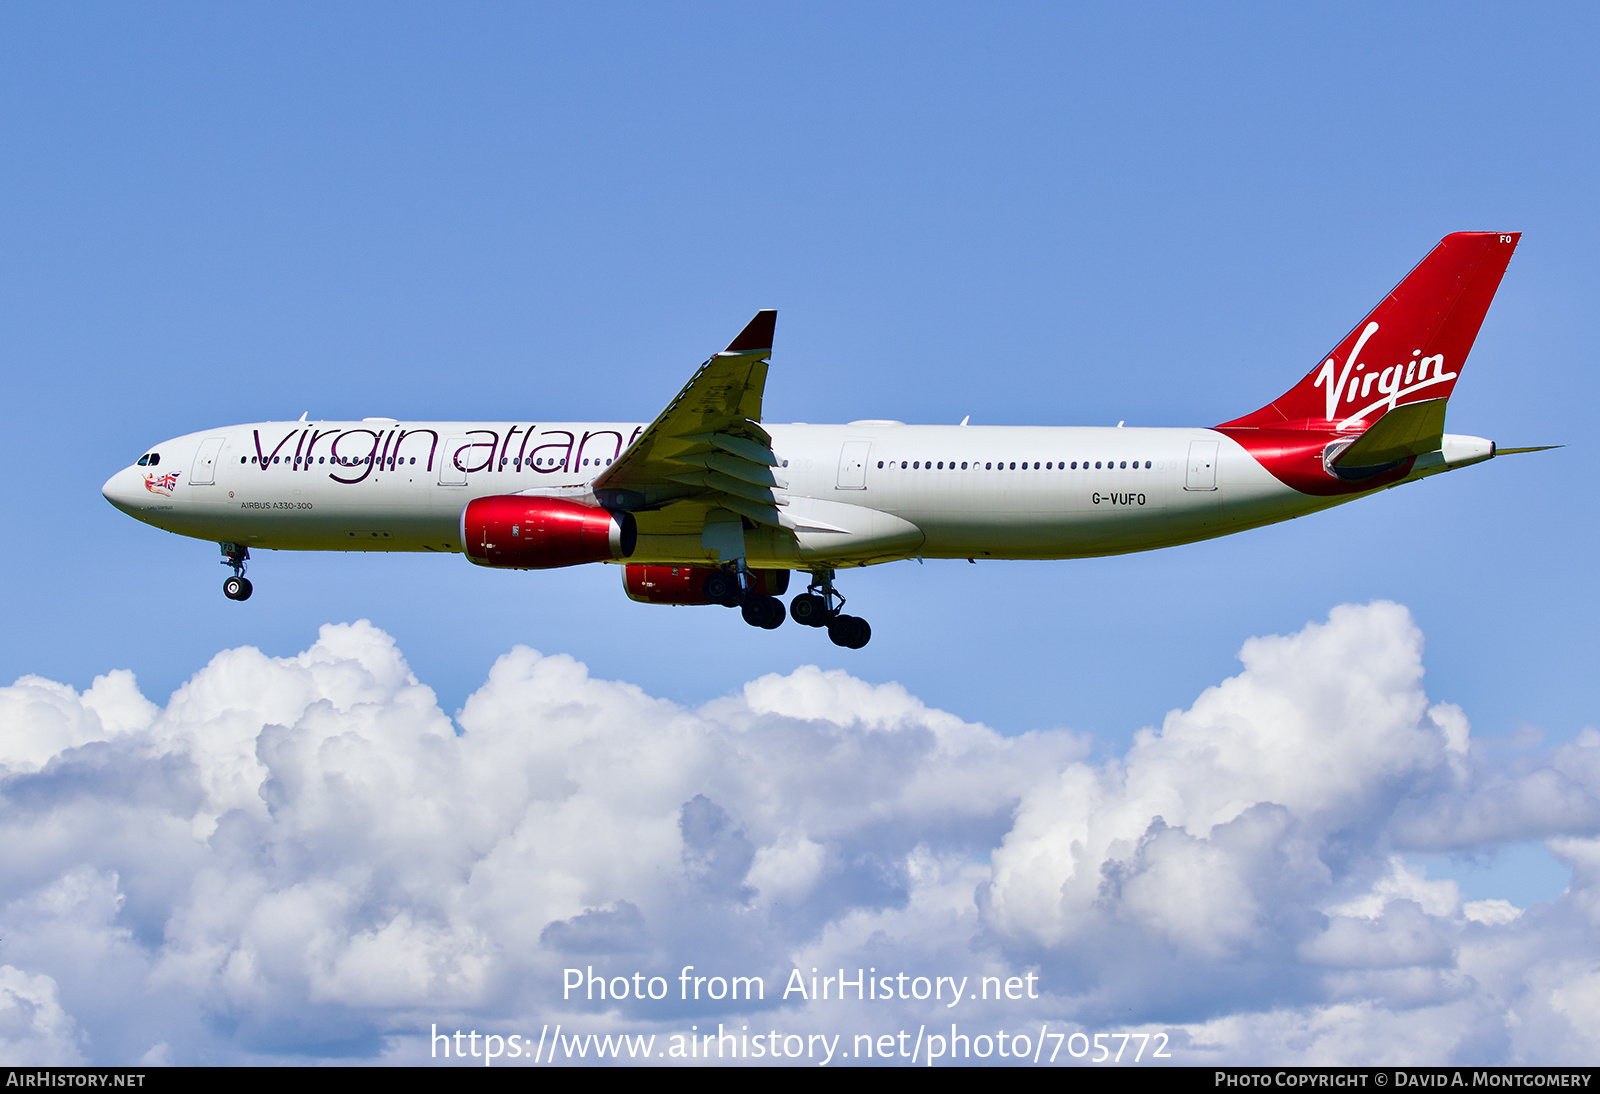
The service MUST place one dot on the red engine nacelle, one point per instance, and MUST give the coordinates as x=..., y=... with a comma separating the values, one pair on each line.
x=523, y=533
x=686, y=584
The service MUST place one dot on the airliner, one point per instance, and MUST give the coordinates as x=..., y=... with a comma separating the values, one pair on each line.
x=709, y=504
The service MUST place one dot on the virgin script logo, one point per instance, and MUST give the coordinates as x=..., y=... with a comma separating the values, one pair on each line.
x=1393, y=383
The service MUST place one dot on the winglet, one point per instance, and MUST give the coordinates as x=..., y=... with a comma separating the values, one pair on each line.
x=757, y=334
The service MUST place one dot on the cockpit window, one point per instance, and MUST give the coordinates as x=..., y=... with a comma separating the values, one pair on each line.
x=155, y=458
x=144, y=460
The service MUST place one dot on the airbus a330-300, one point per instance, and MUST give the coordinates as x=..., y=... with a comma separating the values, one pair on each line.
x=709, y=504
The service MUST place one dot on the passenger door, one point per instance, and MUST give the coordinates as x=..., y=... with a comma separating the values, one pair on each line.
x=853, y=465
x=1202, y=473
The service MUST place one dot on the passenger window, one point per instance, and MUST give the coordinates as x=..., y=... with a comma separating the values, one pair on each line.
x=880, y=465
x=963, y=465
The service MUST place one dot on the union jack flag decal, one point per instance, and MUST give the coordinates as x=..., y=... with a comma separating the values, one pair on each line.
x=164, y=485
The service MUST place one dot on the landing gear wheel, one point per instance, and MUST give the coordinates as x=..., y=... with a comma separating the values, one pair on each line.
x=722, y=588
x=809, y=610
x=236, y=558
x=765, y=612
x=775, y=614
x=849, y=631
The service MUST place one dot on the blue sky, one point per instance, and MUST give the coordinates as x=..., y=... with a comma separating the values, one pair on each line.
x=1042, y=217
x=1032, y=215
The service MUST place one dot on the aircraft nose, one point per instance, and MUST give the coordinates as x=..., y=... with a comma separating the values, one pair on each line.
x=119, y=489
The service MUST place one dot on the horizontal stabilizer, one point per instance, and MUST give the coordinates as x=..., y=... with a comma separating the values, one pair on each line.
x=1498, y=451
x=1408, y=430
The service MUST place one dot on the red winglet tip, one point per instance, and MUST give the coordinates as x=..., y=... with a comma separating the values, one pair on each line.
x=757, y=333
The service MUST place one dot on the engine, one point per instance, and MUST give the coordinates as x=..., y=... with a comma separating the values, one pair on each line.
x=523, y=533
x=687, y=584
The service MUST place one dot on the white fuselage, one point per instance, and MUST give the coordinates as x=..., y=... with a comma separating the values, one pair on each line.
x=854, y=494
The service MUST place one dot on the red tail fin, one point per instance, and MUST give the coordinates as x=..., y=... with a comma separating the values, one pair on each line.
x=1410, y=348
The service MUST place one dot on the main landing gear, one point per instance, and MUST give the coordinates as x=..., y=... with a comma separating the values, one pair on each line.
x=736, y=589
x=816, y=608
x=819, y=606
x=238, y=586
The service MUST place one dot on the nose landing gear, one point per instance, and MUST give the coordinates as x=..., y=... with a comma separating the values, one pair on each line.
x=238, y=586
x=816, y=607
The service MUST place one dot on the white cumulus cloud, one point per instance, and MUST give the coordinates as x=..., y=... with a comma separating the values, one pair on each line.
x=304, y=857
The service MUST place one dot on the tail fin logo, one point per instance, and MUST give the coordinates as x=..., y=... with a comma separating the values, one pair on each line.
x=1393, y=383
x=1415, y=342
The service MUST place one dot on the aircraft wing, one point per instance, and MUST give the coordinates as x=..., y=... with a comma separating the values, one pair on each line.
x=708, y=444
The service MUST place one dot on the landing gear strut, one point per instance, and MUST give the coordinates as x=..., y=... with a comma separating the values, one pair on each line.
x=736, y=588
x=238, y=586
x=821, y=605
